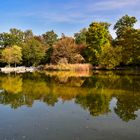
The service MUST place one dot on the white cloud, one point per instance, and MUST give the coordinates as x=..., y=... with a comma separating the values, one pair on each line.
x=112, y=5
x=80, y=12
x=137, y=25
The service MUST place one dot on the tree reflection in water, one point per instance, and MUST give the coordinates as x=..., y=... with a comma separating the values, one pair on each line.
x=93, y=93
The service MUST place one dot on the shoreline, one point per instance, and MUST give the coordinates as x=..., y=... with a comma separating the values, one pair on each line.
x=62, y=68
x=21, y=69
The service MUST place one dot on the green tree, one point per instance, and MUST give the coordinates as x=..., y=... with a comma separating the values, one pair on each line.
x=123, y=24
x=14, y=37
x=96, y=37
x=80, y=38
x=28, y=34
x=18, y=33
x=110, y=57
x=128, y=39
x=131, y=46
x=33, y=52
x=17, y=36
x=7, y=39
x=49, y=39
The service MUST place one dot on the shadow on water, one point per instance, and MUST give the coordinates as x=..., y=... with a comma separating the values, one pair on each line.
x=92, y=92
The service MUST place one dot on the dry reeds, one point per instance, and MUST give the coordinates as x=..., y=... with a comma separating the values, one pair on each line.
x=69, y=67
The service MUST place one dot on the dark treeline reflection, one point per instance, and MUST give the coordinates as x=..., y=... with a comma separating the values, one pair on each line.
x=92, y=93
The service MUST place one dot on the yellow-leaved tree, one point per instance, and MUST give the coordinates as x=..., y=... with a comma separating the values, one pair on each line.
x=12, y=55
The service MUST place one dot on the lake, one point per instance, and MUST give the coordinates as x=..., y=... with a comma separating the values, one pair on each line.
x=101, y=105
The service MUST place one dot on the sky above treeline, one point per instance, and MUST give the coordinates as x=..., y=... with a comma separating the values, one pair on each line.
x=63, y=16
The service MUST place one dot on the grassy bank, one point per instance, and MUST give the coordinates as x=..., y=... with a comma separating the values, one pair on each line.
x=69, y=67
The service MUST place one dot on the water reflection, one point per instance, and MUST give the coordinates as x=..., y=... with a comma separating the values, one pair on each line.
x=126, y=106
x=93, y=93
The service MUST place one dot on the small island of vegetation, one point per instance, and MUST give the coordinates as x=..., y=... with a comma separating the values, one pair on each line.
x=92, y=47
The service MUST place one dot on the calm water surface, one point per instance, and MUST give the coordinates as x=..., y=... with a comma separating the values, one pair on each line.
x=68, y=106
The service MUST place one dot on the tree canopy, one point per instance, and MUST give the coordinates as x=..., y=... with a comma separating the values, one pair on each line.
x=93, y=44
x=96, y=37
x=33, y=52
x=66, y=49
x=12, y=55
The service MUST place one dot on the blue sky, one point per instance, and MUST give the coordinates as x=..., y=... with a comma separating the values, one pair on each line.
x=63, y=16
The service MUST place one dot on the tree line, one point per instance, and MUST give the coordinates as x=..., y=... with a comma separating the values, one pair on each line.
x=93, y=44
